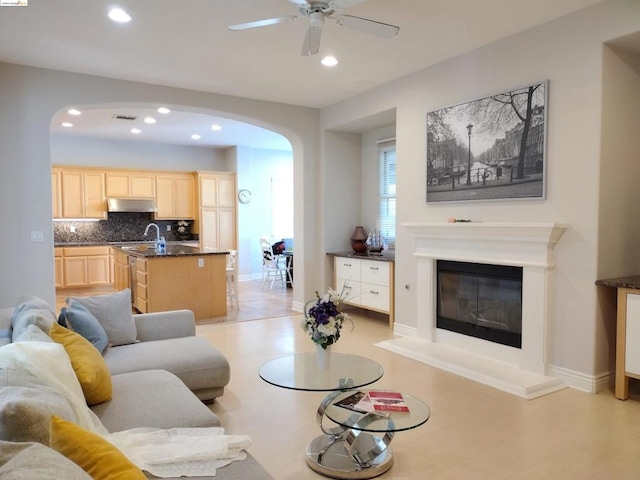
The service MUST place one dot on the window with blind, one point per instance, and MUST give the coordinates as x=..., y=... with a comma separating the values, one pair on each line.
x=387, y=191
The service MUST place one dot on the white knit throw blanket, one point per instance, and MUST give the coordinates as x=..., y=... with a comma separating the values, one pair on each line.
x=186, y=452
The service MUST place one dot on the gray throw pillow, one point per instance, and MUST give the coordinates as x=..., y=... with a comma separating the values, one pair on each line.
x=32, y=311
x=113, y=312
x=79, y=319
x=26, y=406
x=33, y=461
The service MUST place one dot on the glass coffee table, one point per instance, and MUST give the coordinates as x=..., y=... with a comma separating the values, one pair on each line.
x=357, y=446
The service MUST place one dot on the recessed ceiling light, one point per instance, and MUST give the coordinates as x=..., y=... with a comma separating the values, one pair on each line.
x=195, y=136
x=74, y=111
x=164, y=110
x=67, y=124
x=136, y=131
x=119, y=15
x=149, y=120
x=215, y=128
x=329, y=61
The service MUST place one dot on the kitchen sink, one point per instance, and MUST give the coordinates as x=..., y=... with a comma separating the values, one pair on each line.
x=138, y=248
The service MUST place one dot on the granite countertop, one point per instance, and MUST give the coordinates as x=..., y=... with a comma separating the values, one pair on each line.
x=172, y=250
x=388, y=256
x=118, y=244
x=632, y=281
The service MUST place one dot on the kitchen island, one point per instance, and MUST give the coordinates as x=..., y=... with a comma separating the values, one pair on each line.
x=179, y=277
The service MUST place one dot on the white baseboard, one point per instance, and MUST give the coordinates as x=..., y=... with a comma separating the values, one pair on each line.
x=581, y=381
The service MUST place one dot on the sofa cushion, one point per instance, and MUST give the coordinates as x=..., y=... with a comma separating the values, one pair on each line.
x=88, y=365
x=113, y=311
x=154, y=398
x=192, y=359
x=78, y=318
x=33, y=461
x=32, y=311
x=26, y=405
x=91, y=452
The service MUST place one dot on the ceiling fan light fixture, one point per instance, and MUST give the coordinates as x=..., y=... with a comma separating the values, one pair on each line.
x=329, y=61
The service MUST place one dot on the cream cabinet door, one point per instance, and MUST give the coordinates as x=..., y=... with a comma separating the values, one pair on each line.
x=227, y=228
x=56, y=192
x=72, y=194
x=118, y=184
x=184, y=197
x=93, y=196
x=83, y=195
x=75, y=271
x=226, y=191
x=209, y=228
x=143, y=185
x=98, y=270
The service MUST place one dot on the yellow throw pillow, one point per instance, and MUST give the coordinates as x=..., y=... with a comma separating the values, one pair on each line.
x=91, y=369
x=91, y=452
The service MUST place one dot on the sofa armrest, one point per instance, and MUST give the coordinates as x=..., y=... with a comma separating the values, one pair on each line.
x=165, y=325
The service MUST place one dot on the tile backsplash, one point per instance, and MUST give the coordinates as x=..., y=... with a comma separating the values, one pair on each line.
x=119, y=227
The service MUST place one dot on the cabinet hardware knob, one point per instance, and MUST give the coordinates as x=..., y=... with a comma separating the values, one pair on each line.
x=375, y=293
x=374, y=268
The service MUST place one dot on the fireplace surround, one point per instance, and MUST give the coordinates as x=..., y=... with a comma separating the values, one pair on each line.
x=521, y=371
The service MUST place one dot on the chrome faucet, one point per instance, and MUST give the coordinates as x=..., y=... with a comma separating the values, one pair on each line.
x=146, y=231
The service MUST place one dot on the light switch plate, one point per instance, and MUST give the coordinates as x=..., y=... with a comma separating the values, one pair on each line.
x=201, y=262
x=37, y=236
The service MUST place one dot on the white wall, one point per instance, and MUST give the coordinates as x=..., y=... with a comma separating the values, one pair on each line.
x=87, y=151
x=568, y=53
x=29, y=98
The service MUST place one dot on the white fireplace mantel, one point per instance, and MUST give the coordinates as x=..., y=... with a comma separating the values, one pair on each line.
x=528, y=245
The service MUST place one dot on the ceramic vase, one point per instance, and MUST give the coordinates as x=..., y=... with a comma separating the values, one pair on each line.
x=323, y=357
x=358, y=240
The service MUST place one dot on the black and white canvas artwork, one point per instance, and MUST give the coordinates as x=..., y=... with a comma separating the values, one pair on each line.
x=488, y=149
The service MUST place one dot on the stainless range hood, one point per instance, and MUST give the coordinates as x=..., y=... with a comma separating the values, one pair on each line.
x=131, y=205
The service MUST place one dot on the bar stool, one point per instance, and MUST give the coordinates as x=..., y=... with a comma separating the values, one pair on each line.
x=232, y=277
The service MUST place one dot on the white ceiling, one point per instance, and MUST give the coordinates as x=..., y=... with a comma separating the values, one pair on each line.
x=185, y=43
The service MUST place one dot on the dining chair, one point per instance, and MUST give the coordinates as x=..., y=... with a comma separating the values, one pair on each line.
x=272, y=269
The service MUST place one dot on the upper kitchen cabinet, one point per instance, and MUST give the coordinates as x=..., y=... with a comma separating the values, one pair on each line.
x=82, y=193
x=216, y=222
x=123, y=184
x=175, y=196
x=56, y=192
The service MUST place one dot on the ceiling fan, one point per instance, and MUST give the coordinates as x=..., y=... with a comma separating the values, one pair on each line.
x=316, y=11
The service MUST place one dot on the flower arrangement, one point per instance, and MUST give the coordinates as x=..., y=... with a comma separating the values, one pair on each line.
x=323, y=321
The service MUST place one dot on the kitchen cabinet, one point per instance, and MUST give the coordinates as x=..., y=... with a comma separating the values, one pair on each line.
x=59, y=267
x=85, y=267
x=82, y=194
x=368, y=283
x=217, y=213
x=175, y=196
x=121, y=274
x=123, y=184
x=627, y=341
x=56, y=192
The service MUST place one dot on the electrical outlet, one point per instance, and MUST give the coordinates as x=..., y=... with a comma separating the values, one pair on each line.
x=168, y=228
x=37, y=236
x=201, y=262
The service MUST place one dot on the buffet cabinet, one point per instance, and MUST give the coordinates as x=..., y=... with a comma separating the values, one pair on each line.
x=368, y=283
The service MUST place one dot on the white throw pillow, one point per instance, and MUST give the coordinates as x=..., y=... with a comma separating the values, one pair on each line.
x=113, y=311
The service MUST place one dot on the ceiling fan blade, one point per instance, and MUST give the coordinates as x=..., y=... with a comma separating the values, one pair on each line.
x=368, y=26
x=340, y=4
x=311, y=44
x=261, y=23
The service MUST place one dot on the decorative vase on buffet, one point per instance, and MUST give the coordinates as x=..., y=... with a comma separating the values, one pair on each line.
x=359, y=239
x=323, y=322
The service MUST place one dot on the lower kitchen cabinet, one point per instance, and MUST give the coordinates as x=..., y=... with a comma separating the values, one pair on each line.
x=85, y=267
x=121, y=273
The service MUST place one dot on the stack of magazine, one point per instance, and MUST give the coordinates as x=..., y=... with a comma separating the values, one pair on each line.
x=375, y=401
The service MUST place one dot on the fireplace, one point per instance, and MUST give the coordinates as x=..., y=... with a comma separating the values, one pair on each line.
x=480, y=300
x=528, y=248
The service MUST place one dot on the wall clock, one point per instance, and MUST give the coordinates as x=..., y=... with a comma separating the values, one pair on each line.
x=244, y=195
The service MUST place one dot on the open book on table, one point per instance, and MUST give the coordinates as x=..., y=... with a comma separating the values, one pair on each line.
x=375, y=401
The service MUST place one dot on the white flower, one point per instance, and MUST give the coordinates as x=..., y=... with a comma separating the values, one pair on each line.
x=329, y=328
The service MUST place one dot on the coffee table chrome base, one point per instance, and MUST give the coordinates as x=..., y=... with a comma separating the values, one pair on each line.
x=329, y=456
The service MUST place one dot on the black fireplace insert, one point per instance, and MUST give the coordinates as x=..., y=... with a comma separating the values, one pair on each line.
x=480, y=300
